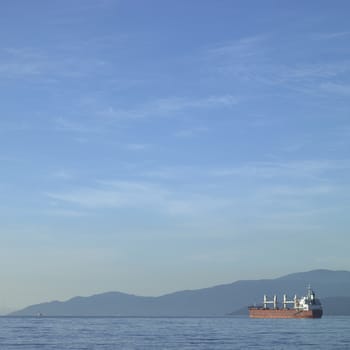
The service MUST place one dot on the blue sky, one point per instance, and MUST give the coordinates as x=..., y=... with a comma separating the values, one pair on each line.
x=153, y=146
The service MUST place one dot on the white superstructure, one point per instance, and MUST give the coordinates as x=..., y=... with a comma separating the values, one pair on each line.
x=308, y=302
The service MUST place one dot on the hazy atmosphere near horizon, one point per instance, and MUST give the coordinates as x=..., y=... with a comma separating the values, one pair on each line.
x=153, y=146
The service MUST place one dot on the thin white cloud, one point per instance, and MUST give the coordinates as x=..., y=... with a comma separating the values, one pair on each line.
x=19, y=69
x=167, y=106
x=71, y=125
x=126, y=194
x=177, y=103
x=137, y=146
x=300, y=77
x=22, y=62
x=297, y=191
x=332, y=35
x=63, y=174
x=305, y=72
x=170, y=172
x=252, y=60
x=310, y=169
x=191, y=132
x=335, y=88
x=66, y=213
x=112, y=113
x=241, y=48
x=16, y=62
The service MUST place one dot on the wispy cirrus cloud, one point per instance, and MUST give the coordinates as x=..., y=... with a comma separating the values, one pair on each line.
x=66, y=213
x=76, y=125
x=15, y=62
x=63, y=174
x=142, y=195
x=307, y=72
x=330, y=35
x=336, y=88
x=174, y=104
x=168, y=106
x=297, y=191
x=241, y=48
x=17, y=69
x=305, y=77
x=284, y=170
x=253, y=60
x=177, y=172
x=48, y=65
x=169, y=197
x=137, y=146
x=191, y=132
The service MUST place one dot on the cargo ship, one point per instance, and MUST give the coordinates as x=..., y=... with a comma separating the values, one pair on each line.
x=305, y=307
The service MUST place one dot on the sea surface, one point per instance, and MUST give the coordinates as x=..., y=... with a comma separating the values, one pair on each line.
x=61, y=333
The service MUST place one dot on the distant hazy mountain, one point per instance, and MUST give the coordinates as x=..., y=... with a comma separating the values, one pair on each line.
x=214, y=301
x=335, y=306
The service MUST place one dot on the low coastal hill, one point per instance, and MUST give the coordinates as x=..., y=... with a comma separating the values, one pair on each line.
x=332, y=287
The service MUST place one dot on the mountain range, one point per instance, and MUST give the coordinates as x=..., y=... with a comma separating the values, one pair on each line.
x=332, y=287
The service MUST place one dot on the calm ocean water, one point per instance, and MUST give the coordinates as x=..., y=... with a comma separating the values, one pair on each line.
x=173, y=333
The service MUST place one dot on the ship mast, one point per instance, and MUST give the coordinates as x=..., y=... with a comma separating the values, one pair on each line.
x=274, y=301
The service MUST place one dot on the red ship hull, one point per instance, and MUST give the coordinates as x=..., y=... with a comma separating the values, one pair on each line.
x=255, y=312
